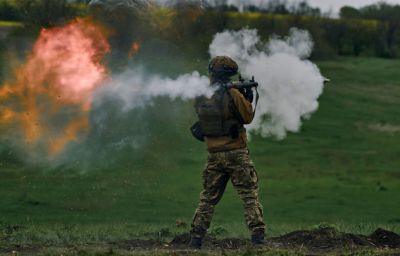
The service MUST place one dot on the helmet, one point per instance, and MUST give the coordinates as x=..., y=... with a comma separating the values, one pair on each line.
x=223, y=66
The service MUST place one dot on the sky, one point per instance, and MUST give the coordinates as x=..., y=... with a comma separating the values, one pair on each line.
x=335, y=5
x=332, y=6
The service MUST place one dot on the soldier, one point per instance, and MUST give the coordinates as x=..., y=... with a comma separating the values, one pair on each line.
x=220, y=125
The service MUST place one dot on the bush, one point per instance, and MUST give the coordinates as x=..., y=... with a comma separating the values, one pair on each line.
x=44, y=13
x=9, y=11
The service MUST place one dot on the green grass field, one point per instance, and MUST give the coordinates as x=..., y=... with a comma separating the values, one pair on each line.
x=342, y=169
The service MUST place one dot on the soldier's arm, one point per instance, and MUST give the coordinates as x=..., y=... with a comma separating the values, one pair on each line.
x=243, y=105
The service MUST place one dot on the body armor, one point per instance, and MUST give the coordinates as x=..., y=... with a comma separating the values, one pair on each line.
x=213, y=121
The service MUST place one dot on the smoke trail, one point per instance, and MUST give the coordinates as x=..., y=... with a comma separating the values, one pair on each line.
x=289, y=84
x=136, y=89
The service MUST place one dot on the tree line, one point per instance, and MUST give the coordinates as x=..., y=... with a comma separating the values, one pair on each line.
x=271, y=6
x=388, y=24
x=376, y=35
x=373, y=30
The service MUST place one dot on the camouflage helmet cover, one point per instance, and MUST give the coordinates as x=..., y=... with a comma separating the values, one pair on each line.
x=223, y=66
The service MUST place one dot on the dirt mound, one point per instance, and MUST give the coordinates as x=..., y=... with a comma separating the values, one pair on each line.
x=318, y=240
x=327, y=239
x=384, y=238
x=323, y=239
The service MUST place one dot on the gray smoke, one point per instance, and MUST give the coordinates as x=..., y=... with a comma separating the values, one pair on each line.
x=126, y=113
x=289, y=84
x=113, y=5
x=136, y=89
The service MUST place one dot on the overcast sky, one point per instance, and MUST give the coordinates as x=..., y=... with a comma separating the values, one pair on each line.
x=325, y=5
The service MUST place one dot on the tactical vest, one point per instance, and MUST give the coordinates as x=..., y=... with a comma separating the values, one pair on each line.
x=212, y=119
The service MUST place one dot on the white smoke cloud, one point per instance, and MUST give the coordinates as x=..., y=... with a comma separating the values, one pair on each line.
x=289, y=84
x=298, y=43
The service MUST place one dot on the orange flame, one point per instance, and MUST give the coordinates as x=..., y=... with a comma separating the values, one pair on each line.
x=62, y=72
x=7, y=115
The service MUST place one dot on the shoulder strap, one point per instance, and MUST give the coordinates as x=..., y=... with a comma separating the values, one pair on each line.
x=255, y=106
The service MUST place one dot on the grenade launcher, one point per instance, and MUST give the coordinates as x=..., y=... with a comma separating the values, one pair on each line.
x=242, y=84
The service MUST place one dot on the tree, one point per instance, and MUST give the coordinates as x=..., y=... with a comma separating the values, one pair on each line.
x=304, y=9
x=349, y=12
x=44, y=13
x=8, y=11
x=389, y=17
x=278, y=6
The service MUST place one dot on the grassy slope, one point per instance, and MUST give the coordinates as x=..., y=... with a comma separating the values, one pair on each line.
x=338, y=169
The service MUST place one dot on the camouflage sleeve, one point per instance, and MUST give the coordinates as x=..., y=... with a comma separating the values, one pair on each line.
x=244, y=106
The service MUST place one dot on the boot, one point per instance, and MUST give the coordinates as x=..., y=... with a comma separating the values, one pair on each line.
x=195, y=243
x=258, y=238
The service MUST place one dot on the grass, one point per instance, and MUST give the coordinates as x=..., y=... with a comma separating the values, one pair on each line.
x=340, y=169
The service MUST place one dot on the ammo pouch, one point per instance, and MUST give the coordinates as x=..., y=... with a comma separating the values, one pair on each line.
x=212, y=120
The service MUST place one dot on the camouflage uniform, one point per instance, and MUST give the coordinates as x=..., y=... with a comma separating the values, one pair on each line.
x=228, y=158
x=222, y=166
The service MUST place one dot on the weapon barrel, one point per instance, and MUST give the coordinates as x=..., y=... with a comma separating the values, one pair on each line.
x=242, y=85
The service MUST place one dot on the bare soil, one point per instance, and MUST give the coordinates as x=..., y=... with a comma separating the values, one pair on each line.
x=314, y=242
x=319, y=240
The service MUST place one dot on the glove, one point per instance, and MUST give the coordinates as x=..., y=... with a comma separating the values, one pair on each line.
x=248, y=94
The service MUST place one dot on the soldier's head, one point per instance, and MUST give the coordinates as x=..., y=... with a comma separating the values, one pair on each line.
x=221, y=68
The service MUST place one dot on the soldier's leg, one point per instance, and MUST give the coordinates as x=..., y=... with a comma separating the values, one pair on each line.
x=214, y=184
x=245, y=180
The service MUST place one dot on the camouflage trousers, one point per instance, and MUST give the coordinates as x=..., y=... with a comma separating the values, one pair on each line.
x=221, y=167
